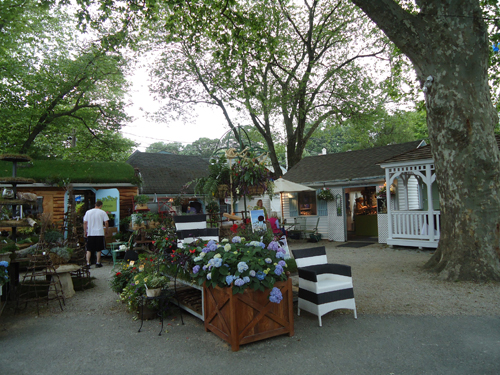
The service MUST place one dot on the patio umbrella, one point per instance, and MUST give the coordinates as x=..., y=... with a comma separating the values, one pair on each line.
x=284, y=186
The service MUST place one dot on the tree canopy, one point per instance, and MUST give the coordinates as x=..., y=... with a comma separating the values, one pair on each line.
x=62, y=96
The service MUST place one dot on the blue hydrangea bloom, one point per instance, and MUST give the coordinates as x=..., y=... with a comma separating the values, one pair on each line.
x=229, y=279
x=196, y=269
x=209, y=276
x=252, y=273
x=261, y=275
x=278, y=270
x=215, y=262
x=282, y=263
x=275, y=295
x=236, y=239
x=280, y=255
x=4, y=263
x=246, y=279
x=242, y=267
x=268, y=260
x=239, y=282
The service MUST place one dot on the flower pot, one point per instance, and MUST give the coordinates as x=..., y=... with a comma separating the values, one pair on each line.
x=111, y=222
x=142, y=206
x=153, y=292
x=248, y=317
x=147, y=312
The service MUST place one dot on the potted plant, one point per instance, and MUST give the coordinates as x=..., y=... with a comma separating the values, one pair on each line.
x=154, y=284
x=241, y=279
x=325, y=194
x=141, y=202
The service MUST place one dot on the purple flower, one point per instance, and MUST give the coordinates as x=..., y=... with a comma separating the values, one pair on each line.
x=280, y=255
x=273, y=245
x=196, y=269
x=239, y=282
x=278, y=270
x=282, y=263
x=275, y=296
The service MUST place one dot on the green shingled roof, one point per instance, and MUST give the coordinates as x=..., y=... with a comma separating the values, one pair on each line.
x=351, y=165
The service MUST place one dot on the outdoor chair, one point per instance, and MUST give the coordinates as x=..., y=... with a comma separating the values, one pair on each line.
x=323, y=287
x=191, y=227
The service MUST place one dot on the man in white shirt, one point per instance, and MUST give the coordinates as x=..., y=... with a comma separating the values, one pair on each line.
x=95, y=223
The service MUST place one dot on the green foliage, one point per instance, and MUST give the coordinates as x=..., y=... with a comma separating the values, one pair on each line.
x=52, y=236
x=63, y=252
x=60, y=98
x=141, y=199
x=55, y=171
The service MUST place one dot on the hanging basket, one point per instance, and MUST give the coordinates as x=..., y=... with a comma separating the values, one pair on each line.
x=222, y=191
x=256, y=190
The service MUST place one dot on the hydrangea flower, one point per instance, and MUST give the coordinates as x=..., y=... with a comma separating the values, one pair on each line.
x=274, y=245
x=227, y=247
x=202, y=255
x=209, y=276
x=211, y=246
x=261, y=275
x=275, y=296
x=229, y=279
x=268, y=260
x=239, y=282
x=197, y=259
x=252, y=273
x=215, y=262
x=196, y=269
x=225, y=240
x=282, y=263
x=217, y=256
x=246, y=279
x=278, y=270
x=280, y=255
x=242, y=267
x=236, y=239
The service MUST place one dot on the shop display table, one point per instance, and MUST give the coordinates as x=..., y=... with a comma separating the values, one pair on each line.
x=64, y=273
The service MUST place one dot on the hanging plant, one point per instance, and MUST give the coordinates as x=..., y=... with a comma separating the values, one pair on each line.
x=325, y=194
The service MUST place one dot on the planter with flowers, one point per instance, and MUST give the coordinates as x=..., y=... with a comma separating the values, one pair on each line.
x=325, y=194
x=247, y=293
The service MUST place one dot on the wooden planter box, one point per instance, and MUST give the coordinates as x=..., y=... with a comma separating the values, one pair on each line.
x=248, y=317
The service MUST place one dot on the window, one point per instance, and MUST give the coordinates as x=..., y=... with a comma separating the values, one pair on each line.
x=307, y=203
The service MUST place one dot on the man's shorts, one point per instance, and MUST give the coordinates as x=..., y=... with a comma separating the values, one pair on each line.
x=96, y=243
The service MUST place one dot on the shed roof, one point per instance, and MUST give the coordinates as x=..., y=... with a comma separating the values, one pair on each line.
x=349, y=165
x=167, y=173
x=54, y=171
x=421, y=153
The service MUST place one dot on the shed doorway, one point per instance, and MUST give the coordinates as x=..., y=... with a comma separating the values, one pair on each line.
x=361, y=214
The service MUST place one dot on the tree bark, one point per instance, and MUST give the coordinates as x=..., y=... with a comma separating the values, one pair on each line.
x=447, y=43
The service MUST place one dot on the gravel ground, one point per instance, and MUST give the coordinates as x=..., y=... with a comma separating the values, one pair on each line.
x=387, y=281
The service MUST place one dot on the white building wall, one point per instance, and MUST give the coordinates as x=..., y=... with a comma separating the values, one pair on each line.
x=336, y=224
x=383, y=228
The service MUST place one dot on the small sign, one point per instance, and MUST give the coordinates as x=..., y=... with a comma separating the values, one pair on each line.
x=109, y=204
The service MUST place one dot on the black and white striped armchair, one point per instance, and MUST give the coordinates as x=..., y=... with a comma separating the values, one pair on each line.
x=323, y=287
x=191, y=227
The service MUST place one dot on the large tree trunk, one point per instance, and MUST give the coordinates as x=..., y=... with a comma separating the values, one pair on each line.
x=448, y=42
